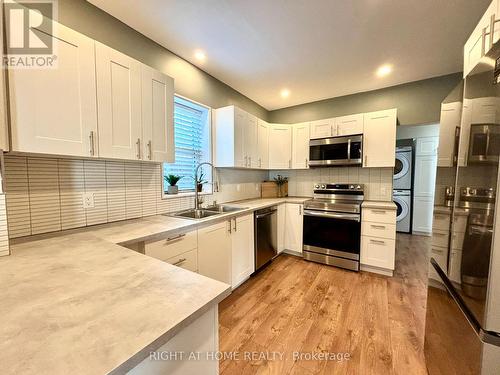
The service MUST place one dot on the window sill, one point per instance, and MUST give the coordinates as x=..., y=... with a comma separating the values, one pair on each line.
x=184, y=194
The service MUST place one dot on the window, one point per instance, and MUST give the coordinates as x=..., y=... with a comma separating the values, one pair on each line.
x=192, y=142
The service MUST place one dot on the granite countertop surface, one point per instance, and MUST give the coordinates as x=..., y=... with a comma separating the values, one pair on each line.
x=77, y=302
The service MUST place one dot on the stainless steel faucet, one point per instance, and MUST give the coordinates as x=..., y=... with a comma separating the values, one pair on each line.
x=196, y=202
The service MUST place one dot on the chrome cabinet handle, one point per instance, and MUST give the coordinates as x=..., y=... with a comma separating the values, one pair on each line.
x=182, y=260
x=235, y=224
x=378, y=211
x=138, y=144
x=91, y=139
x=377, y=241
x=300, y=209
x=150, y=150
x=230, y=227
x=175, y=237
x=378, y=226
x=349, y=149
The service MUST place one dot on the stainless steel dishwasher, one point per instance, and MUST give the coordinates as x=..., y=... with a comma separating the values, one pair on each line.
x=266, y=236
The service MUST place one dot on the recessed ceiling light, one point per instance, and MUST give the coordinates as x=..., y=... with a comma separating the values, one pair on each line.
x=200, y=55
x=285, y=93
x=384, y=70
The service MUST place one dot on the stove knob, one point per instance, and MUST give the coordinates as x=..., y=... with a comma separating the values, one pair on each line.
x=351, y=186
x=323, y=186
x=316, y=186
x=358, y=186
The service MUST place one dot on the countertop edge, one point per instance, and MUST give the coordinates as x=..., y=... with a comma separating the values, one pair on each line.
x=388, y=205
x=141, y=355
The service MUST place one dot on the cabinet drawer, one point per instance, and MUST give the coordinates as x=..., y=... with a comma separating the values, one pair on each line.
x=441, y=222
x=379, y=215
x=187, y=260
x=378, y=252
x=172, y=246
x=457, y=240
x=460, y=223
x=440, y=238
x=378, y=230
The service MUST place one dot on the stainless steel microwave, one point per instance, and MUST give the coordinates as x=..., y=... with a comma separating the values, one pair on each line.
x=346, y=150
x=484, y=146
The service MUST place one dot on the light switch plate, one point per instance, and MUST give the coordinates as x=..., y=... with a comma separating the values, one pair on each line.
x=88, y=200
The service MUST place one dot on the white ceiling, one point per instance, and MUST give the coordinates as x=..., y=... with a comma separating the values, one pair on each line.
x=316, y=48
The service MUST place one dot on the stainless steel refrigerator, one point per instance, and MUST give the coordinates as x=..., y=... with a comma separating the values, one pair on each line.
x=463, y=306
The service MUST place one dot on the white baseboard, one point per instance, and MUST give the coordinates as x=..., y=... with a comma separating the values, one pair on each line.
x=378, y=270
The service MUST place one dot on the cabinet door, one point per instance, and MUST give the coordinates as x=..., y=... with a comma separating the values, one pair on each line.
x=280, y=152
x=322, y=128
x=214, y=252
x=251, y=147
x=425, y=176
x=379, y=139
x=263, y=144
x=118, y=104
x=449, y=123
x=293, y=227
x=377, y=252
x=427, y=146
x=240, y=121
x=422, y=214
x=243, y=253
x=300, y=146
x=349, y=125
x=157, y=116
x=53, y=111
x=281, y=227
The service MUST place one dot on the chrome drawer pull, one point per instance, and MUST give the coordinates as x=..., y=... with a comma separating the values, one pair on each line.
x=378, y=242
x=378, y=226
x=176, y=237
x=179, y=261
x=378, y=211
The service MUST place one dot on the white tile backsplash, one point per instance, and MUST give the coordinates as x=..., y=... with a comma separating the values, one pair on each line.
x=46, y=194
x=377, y=181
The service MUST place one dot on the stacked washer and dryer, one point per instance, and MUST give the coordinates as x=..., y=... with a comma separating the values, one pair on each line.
x=402, y=187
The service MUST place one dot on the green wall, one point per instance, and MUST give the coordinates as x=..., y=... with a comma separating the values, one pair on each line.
x=189, y=80
x=417, y=103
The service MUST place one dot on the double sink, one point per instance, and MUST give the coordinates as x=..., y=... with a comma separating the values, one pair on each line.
x=207, y=212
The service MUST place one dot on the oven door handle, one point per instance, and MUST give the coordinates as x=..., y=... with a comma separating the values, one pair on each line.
x=333, y=215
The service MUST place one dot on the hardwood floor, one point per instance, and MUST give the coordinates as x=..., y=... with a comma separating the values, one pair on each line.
x=295, y=306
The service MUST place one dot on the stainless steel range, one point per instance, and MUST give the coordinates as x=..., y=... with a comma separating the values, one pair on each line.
x=332, y=225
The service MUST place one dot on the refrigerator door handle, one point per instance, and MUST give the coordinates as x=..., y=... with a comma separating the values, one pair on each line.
x=487, y=337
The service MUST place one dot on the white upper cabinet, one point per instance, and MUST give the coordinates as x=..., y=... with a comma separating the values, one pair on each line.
x=236, y=134
x=322, y=128
x=118, y=104
x=53, y=111
x=263, y=143
x=449, y=125
x=479, y=42
x=379, y=139
x=349, y=125
x=242, y=249
x=157, y=116
x=280, y=150
x=300, y=146
x=251, y=141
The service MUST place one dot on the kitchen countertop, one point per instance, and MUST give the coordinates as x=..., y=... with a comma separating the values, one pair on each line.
x=76, y=302
x=387, y=205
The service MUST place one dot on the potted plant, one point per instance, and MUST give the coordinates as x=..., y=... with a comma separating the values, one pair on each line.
x=172, y=180
x=281, y=181
x=199, y=181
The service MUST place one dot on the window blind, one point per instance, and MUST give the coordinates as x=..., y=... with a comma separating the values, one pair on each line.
x=189, y=123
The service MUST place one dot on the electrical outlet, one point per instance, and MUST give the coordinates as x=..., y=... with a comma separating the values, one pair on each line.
x=88, y=200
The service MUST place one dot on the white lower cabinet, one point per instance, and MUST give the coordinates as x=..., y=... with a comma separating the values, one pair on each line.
x=242, y=249
x=378, y=244
x=200, y=336
x=180, y=250
x=281, y=227
x=422, y=214
x=293, y=227
x=214, y=251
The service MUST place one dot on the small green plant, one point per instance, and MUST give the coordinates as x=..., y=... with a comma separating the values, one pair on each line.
x=200, y=180
x=172, y=179
x=280, y=180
